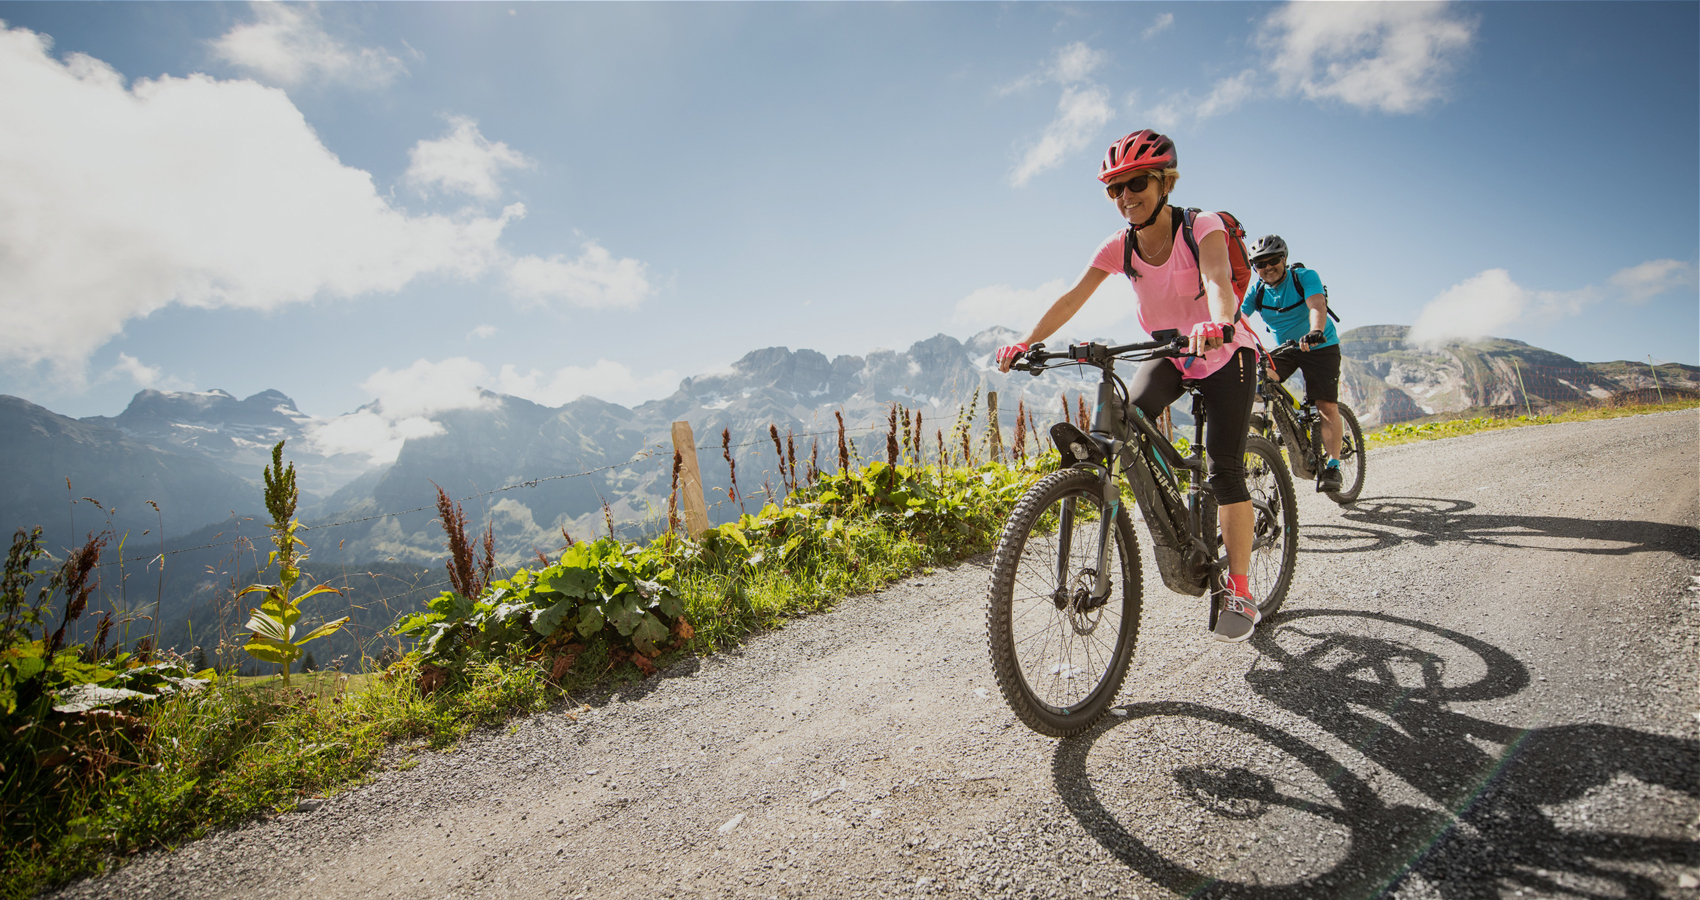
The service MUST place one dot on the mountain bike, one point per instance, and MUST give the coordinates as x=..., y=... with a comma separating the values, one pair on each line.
x=1299, y=426
x=1066, y=592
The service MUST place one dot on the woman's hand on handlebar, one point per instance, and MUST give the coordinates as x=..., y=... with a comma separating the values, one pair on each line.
x=1008, y=355
x=1208, y=336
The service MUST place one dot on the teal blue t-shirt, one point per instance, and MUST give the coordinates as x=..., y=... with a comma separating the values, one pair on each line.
x=1294, y=323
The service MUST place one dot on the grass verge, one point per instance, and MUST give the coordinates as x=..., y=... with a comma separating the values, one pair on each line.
x=1394, y=435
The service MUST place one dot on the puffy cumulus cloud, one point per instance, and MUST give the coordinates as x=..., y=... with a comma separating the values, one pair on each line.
x=1082, y=111
x=1392, y=57
x=368, y=433
x=194, y=191
x=462, y=161
x=1109, y=314
x=429, y=387
x=1482, y=305
x=406, y=400
x=1474, y=308
x=595, y=280
x=288, y=45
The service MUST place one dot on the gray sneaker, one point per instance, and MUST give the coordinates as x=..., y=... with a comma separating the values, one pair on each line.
x=1330, y=480
x=1239, y=616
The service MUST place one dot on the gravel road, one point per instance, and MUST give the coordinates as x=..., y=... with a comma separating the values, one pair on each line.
x=1484, y=684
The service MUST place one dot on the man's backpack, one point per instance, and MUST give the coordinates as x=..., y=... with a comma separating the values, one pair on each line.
x=1238, y=261
x=1257, y=295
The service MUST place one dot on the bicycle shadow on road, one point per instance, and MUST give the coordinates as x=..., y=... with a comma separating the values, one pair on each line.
x=1476, y=808
x=1432, y=521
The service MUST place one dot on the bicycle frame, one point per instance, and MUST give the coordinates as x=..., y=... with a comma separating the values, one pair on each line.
x=1124, y=444
x=1295, y=421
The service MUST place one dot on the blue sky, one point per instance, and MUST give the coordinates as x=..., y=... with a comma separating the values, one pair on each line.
x=400, y=202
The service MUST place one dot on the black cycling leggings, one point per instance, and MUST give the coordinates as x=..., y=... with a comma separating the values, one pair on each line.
x=1228, y=393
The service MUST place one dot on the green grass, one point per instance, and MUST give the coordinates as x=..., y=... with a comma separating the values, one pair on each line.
x=248, y=747
x=1394, y=435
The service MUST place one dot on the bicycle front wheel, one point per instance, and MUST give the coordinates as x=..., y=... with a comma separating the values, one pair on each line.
x=1059, y=652
x=1351, y=458
x=1275, y=531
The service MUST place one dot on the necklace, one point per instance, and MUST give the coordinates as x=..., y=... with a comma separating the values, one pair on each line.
x=1163, y=238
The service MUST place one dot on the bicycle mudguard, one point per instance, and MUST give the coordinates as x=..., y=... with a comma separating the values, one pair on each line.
x=1075, y=444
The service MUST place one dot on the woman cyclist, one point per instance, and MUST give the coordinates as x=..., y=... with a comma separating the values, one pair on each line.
x=1196, y=297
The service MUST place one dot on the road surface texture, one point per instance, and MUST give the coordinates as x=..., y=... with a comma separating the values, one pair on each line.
x=1483, y=685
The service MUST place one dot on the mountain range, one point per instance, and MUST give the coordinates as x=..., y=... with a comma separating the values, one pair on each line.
x=198, y=455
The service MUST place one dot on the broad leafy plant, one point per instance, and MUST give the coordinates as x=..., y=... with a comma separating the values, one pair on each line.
x=272, y=629
x=621, y=592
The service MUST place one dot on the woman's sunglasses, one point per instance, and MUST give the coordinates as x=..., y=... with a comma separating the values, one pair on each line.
x=1137, y=184
x=1267, y=263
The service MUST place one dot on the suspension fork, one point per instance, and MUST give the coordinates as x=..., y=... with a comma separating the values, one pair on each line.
x=1106, y=421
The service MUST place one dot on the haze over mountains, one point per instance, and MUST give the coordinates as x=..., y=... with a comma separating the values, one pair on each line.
x=199, y=454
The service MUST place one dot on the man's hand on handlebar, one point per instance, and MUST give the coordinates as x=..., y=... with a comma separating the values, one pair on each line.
x=1008, y=355
x=1312, y=340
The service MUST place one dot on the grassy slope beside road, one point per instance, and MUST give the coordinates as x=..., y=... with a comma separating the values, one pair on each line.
x=1483, y=681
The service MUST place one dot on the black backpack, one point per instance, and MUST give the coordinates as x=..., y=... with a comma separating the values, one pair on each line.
x=1257, y=298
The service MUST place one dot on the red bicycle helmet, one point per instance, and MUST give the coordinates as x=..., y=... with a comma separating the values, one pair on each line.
x=1143, y=149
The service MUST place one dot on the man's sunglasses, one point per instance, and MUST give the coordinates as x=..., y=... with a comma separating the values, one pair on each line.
x=1137, y=184
x=1267, y=263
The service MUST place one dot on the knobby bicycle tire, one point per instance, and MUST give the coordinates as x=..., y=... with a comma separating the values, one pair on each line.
x=1352, y=458
x=1060, y=669
x=1275, y=531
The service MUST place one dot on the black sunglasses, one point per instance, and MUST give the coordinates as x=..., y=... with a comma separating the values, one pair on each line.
x=1137, y=184
x=1266, y=263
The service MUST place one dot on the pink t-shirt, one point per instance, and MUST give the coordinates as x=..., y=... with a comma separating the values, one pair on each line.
x=1170, y=295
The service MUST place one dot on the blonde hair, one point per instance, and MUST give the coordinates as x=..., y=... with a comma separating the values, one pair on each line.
x=1170, y=176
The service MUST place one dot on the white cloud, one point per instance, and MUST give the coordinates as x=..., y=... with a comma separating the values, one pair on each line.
x=1392, y=57
x=1110, y=312
x=145, y=376
x=288, y=45
x=483, y=331
x=594, y=280
x=463, y=161
x=121, y=201
x=1484, y=304
x=429, y=387
x=1474, y=308
x=604, y=380
x=187, y=191
x=1164, y=23
x=1082, y=114
x=1650, y=279
x=1082, y=111
x=369, y=434
x=405, y=400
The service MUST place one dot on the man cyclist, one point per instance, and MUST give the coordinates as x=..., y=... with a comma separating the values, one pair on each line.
x=1295, y=307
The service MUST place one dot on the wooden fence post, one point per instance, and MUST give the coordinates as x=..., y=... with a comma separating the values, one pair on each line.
x=996, y=447
x=1526, y=407
x=690, y=481
x=1656, y=385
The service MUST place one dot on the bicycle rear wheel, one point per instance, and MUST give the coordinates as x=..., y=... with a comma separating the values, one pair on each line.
x=1060, y=654
x=1351, y=458
x=1275, y=531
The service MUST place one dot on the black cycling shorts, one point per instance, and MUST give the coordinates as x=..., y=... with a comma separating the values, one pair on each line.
x=1227, y=394
x=1322, y=371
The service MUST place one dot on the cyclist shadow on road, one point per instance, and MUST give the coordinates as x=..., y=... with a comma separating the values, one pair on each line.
x=1431, y=521
x=1212, y=803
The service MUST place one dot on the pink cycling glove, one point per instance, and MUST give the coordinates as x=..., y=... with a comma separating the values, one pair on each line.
x=1207, y=330
x=1008, y=354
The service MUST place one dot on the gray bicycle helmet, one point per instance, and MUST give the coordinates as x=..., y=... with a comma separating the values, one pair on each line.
x=1268, y=245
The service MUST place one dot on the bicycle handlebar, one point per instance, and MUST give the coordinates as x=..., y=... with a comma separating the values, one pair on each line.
x=1165, y=344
